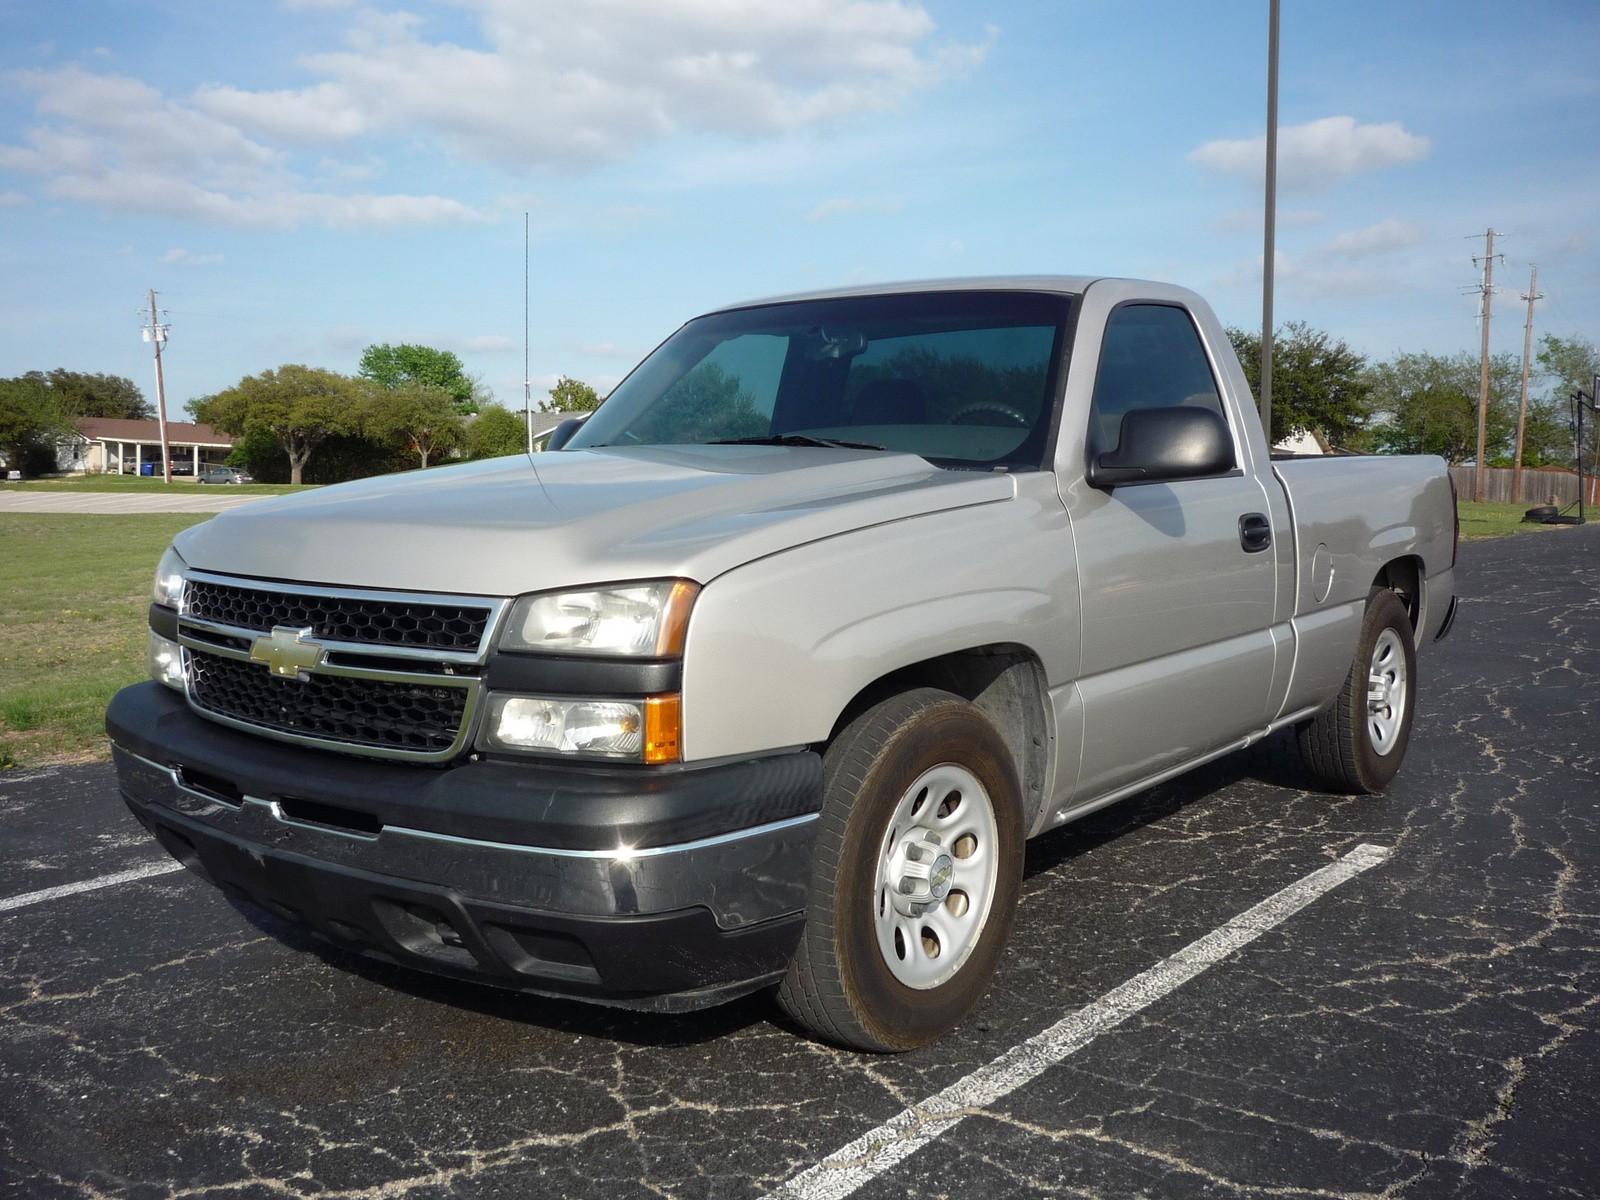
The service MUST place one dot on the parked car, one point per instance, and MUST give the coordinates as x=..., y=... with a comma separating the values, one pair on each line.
x=225, y=475
x=763, y=677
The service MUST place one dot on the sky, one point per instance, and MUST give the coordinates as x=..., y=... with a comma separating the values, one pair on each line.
x=298, y=179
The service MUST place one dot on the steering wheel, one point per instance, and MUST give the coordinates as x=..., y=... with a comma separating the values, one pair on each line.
x=989, y=406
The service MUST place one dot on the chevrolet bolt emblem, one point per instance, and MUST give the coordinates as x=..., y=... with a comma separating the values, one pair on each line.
x=287, y=652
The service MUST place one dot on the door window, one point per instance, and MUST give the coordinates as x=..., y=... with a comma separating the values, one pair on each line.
x=1150, y=357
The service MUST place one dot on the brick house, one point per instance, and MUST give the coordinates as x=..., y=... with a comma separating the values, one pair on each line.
x=112, y=445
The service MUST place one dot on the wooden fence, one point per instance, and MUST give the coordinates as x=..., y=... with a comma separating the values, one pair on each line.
x=1542, y=485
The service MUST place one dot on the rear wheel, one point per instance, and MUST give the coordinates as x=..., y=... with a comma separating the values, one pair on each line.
x=1358, y=744
x=915, y=879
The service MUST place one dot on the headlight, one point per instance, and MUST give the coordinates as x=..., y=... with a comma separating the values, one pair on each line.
x=168, y=586
x=633, y=730
x=645, y=620
x=166, y=661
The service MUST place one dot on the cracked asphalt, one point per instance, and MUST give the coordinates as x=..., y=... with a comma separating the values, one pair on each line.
x=1430, y=1029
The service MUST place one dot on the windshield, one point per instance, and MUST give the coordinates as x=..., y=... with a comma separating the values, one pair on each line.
x=964, y=379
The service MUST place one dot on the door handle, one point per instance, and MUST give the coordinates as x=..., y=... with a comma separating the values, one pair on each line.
x=1255, y=532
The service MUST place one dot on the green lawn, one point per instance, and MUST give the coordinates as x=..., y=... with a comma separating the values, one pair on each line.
x=74, y=598
x=1490, y=519
x=145, y=485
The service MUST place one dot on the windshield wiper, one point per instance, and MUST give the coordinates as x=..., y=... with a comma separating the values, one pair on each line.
x=795, y=439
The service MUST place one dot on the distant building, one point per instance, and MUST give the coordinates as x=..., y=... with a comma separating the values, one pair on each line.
x=1307, y=441
x=544, y=424
x=111, y=445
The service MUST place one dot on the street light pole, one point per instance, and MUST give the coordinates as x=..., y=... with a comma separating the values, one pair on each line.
x=156, y=332
x=527, y=383
x=1269, y=250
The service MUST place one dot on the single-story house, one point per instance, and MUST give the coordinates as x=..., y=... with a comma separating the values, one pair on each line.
x=112, y=445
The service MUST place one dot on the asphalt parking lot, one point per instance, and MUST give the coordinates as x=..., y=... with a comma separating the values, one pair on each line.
x=1429, y=1027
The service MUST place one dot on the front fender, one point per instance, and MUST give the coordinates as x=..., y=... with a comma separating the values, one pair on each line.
x=779, y=647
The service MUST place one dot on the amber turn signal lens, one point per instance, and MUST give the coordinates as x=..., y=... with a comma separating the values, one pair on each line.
x=663, y=729
x=675, y=618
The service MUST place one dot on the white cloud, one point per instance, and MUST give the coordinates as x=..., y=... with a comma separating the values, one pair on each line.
x=836, y=208
x=1305, y=279
x=1316, y=155
x=14, y=200
x=116, y=143
x=488, y=343
x=568, y=86
x=347, y=339
x=314, y=114
x=179, y=255
x=1382, y=238
x=553, y=85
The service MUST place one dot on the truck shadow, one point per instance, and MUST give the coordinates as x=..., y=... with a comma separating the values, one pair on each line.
x=1273, y=763
x=633, y=1027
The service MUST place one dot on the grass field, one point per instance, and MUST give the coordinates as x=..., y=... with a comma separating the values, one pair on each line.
x=1489, y=519
x=146, y=486
x=74, y=594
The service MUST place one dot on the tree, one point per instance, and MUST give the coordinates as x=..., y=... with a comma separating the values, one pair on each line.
x=1428, y=404
x=1318, y=383
x=32, y=424
x=392, y=366
x=420, y=417
x=84, y=395
x=572, y=395
x=706, y=403
x=496, y=431
x=300, y=406
x=1570, y=364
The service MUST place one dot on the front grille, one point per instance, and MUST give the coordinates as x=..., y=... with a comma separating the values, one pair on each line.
x=368, y=713
x=414, y=624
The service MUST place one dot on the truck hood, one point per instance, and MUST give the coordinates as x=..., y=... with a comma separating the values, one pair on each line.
x=513, y=525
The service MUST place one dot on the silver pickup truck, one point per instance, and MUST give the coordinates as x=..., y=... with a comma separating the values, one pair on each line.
x=765, y=676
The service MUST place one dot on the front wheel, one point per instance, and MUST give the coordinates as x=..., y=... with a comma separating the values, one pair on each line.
x=915, y=879
x=1357, y=745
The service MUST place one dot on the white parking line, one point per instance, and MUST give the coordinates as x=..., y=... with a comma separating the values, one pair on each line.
x=871, y=1154
x=89, y=885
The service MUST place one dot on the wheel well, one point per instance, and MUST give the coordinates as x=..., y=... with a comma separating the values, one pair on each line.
x=1005, y=683
x=1404, y=577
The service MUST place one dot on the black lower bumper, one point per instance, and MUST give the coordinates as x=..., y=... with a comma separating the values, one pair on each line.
x=682, y=900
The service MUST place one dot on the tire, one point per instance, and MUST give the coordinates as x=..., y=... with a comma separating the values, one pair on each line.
x=915, y=877
x=1541, y=514
x=1357, y=745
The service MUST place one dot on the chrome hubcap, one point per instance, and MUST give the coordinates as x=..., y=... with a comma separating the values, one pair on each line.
x=1387, y=696
x=936, y=876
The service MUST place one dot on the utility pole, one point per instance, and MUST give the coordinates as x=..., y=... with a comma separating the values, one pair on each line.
x=1530, y=296
x=1269, y=253
x=156, y=332
x=1483, y=382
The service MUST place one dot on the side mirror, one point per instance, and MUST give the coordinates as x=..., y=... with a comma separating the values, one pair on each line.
x=1165, y=443
x=562, y=433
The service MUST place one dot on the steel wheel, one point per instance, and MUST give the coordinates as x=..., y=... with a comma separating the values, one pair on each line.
x=1358, y=743
x=915, y=875
x=936, y=875
x=1387, y=697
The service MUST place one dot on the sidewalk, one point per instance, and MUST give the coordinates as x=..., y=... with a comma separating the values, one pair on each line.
x=212, y=500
